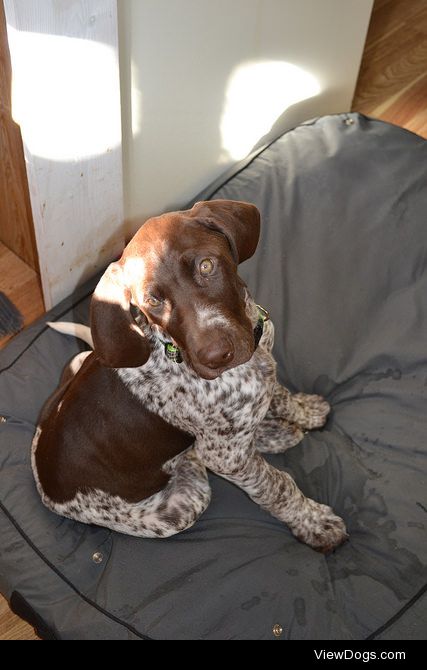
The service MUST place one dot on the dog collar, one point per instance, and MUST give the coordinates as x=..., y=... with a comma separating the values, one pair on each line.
x=173, y=353
x=263, y=316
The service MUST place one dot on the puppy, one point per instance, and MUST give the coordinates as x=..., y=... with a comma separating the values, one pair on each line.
x=181, y=379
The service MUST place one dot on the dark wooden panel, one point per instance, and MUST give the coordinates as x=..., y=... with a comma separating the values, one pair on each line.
x=16, y=223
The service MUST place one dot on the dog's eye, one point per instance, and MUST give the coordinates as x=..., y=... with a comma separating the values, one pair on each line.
x=153, y=302
x=206, y=267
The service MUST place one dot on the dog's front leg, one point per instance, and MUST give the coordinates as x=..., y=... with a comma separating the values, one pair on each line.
x=274, y=436
x=276, y=491
x=305, y=410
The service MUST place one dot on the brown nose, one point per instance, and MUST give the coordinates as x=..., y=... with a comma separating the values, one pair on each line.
x=217, y=353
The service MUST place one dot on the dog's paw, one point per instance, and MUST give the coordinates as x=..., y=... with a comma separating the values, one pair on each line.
x=320, y=528
x=310, y=411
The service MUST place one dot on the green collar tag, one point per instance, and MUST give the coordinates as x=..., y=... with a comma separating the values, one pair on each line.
x=263, y=316
x=174, y=354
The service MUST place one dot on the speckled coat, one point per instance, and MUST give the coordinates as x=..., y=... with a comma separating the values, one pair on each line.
x=224, y=396
x=233, y=418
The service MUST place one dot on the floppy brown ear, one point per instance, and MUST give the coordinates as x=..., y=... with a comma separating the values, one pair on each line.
x=238, y=221
x=118, y=341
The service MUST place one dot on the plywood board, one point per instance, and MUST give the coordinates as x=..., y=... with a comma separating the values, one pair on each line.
x=66, y=97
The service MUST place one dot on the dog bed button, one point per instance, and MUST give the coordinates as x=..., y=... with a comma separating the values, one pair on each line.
x=277, y=630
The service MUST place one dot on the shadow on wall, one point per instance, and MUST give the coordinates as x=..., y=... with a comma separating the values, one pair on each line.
x=258, y=93
x=298, y=113
x=259, y=100
x=186, y=117
x=290, y=118
x=201, y=84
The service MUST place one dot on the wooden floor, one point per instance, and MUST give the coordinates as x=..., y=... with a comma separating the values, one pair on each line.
x=21, y=284
x=392, y=86
x=392, y=82
x=12, y=627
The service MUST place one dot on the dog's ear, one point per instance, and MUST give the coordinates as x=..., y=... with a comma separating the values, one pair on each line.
x=238, y=221
x=118, y=341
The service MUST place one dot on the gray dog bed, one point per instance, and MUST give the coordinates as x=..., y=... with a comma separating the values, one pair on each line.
x=342, y=268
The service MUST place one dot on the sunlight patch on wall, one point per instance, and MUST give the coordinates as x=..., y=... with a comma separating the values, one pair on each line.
x=256, y=96
x=64, y=95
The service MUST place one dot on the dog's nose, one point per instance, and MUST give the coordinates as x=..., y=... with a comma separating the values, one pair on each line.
x=217, y=354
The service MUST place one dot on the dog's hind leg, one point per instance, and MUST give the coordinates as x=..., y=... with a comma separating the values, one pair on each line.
x=172, y=510
x=178, y=506
x=72, y=368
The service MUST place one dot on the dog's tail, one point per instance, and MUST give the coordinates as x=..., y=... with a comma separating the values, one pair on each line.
x=76, y=329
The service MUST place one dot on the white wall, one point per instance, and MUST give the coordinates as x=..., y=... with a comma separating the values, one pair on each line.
x=204, y=80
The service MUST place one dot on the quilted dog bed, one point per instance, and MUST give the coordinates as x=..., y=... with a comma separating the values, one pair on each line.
x=342, y=267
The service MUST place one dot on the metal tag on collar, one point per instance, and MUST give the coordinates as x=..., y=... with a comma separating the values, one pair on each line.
x=172, y=352
x=263, y=316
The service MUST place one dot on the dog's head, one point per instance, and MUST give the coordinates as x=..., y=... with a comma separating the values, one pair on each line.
x=180, y=271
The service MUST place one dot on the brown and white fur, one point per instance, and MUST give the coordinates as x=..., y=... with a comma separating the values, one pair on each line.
x=126, y=439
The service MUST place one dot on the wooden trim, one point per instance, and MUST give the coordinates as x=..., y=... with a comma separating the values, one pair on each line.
x=16, y=221
x=21, y=284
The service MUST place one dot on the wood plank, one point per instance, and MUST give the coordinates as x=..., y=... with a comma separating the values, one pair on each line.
x=16, y=222
x=388, y=73
x=12, y=627
x=392, y=79
x=5, y=69
x=21, y=284
x=67, y=101
x=409, y=109
x=388, y=16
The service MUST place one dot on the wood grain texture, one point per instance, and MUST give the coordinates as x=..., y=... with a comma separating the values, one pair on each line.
x=12, y=627
x=21, y=284
x=16, y=223
x=67, y=101
x=392, y=83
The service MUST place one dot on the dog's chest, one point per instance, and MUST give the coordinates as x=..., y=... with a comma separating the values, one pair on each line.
x=233, y=403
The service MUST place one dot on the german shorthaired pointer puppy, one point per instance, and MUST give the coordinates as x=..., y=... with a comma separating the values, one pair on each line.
x=181, y=380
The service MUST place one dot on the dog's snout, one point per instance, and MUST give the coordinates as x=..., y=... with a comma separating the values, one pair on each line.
x=217, y=354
